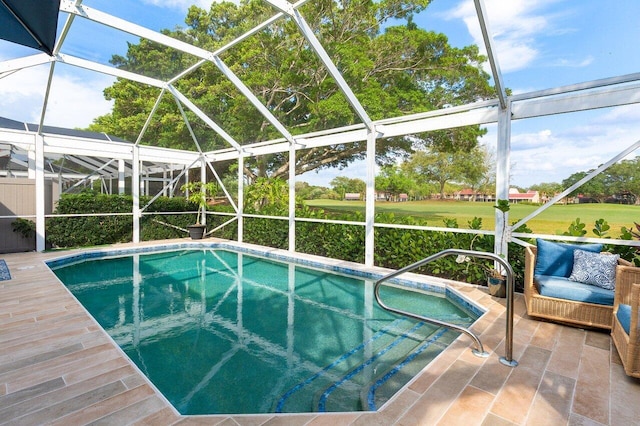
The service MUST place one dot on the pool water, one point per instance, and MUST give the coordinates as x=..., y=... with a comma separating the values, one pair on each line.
x=218, y=331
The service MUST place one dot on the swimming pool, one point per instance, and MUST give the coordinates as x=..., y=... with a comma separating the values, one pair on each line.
x=224, y=331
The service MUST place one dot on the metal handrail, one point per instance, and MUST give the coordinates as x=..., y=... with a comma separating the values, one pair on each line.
x=479, y=350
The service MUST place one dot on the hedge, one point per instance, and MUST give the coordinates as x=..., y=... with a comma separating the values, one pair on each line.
x=395, y=248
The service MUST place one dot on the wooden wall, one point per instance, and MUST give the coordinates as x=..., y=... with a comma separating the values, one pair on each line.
x=17, y=198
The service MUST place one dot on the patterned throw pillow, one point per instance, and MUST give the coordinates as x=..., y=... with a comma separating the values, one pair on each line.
x=597, y=269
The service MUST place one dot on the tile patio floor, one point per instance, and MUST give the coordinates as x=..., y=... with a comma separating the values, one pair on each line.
x=57, y=366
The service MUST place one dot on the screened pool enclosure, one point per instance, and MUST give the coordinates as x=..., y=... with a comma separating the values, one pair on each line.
x=40, y=149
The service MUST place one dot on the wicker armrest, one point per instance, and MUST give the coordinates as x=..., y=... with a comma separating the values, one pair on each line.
x=634, y=331
x=628, y=345
x=626, y=276
x=529, y=266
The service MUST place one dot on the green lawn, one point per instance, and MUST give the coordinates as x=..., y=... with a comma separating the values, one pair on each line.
x=555, y=219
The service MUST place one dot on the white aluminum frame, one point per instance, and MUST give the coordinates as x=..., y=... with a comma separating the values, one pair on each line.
x=610, y=92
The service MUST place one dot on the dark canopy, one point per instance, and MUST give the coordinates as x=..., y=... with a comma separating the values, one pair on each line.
x=7, y=123
x=31, y=23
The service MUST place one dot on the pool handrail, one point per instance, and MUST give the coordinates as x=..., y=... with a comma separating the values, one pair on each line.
x=479, y=349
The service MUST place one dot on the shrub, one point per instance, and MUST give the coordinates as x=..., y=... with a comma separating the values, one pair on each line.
x=90, y=230
x=267, y=232
x=98, y=229
x=394, y=248
x=24, y=227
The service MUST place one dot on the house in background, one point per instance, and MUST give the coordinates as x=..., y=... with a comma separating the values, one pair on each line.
x=388, y=196
x=515, y=196
x=467, y=194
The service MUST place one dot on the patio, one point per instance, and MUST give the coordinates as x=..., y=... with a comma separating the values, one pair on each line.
x=57, y=366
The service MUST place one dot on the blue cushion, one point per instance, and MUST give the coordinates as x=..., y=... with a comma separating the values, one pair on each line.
x=556, y=259
x=563, y=288
x=624, y=316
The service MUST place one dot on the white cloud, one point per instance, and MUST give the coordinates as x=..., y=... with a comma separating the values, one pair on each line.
x=577, y=142
x=74, y=101
x=629, y=114
x=514, y=24
x=574, y=63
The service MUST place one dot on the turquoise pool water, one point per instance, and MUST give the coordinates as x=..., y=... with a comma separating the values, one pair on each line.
x=219, y=331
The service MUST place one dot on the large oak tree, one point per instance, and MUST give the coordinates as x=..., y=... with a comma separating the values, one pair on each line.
x=392, y=69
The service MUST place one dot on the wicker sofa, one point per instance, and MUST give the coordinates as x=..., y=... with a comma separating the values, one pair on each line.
x=569, y=311
x=626, y=326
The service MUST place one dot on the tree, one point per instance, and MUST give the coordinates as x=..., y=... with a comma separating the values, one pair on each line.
x=267, y=196
x=442, y=167
x=624, y=178
x=477, y=166
x=401, y=70
x=423, y=190
x=343, y=185
x=311, y=192
x=547, y=189
x=596, y=188
x=392, y=180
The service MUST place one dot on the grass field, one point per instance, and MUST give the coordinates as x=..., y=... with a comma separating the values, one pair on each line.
x=554, y=220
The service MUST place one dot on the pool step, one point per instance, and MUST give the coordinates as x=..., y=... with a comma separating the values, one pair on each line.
x=386, y=384
x=345, y=393
x=294, y=400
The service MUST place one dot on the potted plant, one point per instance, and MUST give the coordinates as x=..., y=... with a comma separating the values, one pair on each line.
x=496, y=281
x=197, y=193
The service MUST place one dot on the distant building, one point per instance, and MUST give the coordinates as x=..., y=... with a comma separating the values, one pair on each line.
x=465, y=194
x=382, y=196
x=352, y=196
x=388, y=196
x=468, y=194
x=516, y=196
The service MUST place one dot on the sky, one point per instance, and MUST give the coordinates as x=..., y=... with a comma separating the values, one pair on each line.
x=540, y=45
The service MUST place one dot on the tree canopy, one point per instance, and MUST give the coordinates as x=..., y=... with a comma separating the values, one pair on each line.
x=394, y=181
x=392, y=69
x=440, y=167
x=343, y=185
x=620, y=181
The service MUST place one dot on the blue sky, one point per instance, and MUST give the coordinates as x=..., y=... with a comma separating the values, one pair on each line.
x=540, y=44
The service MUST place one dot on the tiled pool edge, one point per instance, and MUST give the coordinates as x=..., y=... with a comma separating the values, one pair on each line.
x=302, y=259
